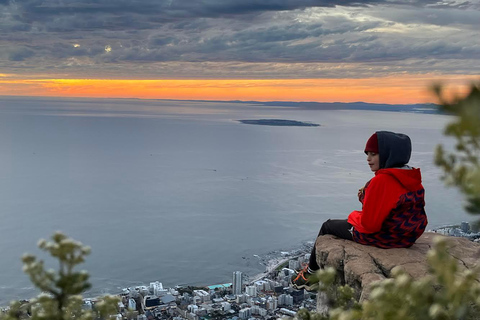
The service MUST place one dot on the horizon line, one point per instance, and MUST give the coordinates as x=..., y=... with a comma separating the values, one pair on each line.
x=218, y=101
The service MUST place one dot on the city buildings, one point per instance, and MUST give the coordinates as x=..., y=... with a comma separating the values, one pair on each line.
x=463, y=230
x=265, y=298
x=268, y=296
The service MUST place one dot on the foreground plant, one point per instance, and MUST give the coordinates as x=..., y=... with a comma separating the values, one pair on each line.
x=462, y=167
x=61, y=297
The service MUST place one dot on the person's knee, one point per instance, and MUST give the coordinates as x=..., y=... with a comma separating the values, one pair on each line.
x=325, y=229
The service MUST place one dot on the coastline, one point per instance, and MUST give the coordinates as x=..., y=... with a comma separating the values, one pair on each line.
x=463, y=230
x=271, y=260
x=275, y=259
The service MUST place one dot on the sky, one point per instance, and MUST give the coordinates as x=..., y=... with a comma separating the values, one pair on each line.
x=291, y=50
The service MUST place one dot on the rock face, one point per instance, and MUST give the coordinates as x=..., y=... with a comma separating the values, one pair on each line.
x=359, y=265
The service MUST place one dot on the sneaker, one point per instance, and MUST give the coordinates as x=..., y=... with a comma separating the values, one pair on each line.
x=304, y=280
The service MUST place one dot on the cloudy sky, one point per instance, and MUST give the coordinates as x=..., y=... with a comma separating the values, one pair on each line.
x=310, y=50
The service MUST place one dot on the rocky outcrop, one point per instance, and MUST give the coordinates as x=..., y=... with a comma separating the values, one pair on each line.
x=359, y=265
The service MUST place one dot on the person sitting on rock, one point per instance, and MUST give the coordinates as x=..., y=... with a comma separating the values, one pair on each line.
x=392, y=215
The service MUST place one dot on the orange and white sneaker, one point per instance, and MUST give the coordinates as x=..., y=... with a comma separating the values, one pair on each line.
x=304, y=280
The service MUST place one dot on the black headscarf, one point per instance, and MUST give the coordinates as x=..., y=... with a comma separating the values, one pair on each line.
x=394, y=149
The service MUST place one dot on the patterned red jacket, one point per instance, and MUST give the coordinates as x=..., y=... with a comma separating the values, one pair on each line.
x=393, y=214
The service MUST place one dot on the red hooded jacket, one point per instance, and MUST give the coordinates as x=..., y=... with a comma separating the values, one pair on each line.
x=388, y=185
x=392, y=214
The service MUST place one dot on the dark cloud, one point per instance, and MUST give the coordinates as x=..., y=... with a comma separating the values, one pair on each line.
x=65, y=34
x=20, y=53
x=68, y=15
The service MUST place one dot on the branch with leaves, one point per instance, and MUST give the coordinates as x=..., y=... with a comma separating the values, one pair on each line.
x=61, y=297
x=462, y=167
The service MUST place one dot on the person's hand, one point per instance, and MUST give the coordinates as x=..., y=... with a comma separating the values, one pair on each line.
x=360, y=194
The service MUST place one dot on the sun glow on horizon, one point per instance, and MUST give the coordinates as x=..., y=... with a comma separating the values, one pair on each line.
x=394, y=89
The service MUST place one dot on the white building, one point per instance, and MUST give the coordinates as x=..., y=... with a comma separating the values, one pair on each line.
x=262, y=285
x=251, y=291
x=245, y=313
x=173, y=292
x=226, y=306
x=237, y=282
x=288, y=312
x=272, y=303
x=256, y=310
x=157, y=289
x=241, y=298
x=285, y=300
x=204, y=295
x=267, y=286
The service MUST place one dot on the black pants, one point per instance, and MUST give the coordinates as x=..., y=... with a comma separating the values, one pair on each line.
x=336, y=227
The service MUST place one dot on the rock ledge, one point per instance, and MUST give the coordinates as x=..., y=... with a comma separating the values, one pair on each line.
x=359, y=265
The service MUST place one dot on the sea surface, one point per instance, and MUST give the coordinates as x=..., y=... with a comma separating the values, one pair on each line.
x=181, y=192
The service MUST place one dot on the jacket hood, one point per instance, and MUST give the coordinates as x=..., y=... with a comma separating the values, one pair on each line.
x=394, y=149
x=410, y=178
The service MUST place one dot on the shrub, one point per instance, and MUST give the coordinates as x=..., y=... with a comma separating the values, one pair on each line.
x=61, y=297
x=462, y=167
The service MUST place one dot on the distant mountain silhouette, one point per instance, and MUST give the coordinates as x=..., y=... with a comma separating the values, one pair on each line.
x=429, y=108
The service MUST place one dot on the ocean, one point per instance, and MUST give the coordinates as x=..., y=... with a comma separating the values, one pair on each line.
x=181, y=192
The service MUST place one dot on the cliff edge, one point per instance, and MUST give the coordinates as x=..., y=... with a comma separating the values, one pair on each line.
x=359, y=265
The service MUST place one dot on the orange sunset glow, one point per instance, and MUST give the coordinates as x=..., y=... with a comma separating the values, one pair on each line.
x=401, y=89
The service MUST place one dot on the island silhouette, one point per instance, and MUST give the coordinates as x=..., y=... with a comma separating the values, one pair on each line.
x=279, y=122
